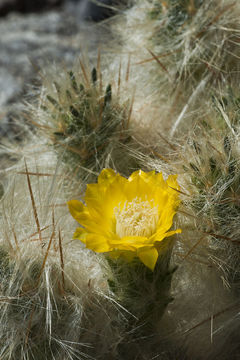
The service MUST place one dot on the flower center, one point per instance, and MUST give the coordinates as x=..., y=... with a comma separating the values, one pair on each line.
x=136, y=218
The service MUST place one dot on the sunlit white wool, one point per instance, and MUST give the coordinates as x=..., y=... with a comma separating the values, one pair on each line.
x=136, y=218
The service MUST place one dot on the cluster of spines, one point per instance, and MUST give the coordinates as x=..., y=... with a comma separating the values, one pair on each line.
x=44, y=313
x=192, y=38
x=87, y=122
x=214, y=170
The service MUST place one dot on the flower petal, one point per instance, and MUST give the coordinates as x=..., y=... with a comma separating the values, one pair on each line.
x=81, y=214
x=133, y=242
x=141, y=174
x=76, y=207
x=148, y=256
x=138, y=186
x=80, y=234
x=158, y=236
x=101, y=201
x=172, y=183
x=97, y=243
x=106, y=176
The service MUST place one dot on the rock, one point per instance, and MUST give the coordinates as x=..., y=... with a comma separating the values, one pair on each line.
x=89, y=10
x=32, y=42
x=9, y=86
x=95, y=11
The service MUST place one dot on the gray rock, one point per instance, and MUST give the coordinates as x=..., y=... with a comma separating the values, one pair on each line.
x=33, y=41
x=89, y=10
x=9, y=86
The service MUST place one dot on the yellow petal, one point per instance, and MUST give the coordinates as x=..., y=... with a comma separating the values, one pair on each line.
x=76, y=207
x=97, y=243
x=138, y=187
x=101, y=201
x=94, y=198
x=173, y=187
x=148, y=256
x=165, y=219
x=165, y=243
x=170, y=233
x=172, y=182
x=160, y=236
x=141, y=174
x=80, y=234
x=133, y=242
x=106, y=176
x=87, y=220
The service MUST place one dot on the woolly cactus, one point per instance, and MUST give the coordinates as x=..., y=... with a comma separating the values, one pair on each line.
x=213, y=168
x=87, y=122
x=136, y=300
x=182, y=49
x=195, y=39
x=54, y=298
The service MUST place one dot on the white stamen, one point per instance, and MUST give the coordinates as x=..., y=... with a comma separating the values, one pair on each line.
x=136, y=218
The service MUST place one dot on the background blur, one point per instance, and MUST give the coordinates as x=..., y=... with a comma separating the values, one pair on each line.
x=34, y=34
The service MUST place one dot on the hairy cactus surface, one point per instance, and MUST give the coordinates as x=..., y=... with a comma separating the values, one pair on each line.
x=149, y=136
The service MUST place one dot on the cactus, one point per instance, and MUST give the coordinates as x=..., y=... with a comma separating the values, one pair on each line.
x=213, y=167
x=60, y=300
x=87, y=123
x=54, y=298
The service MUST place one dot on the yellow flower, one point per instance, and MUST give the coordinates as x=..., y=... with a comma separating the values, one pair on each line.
x=127, y=217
